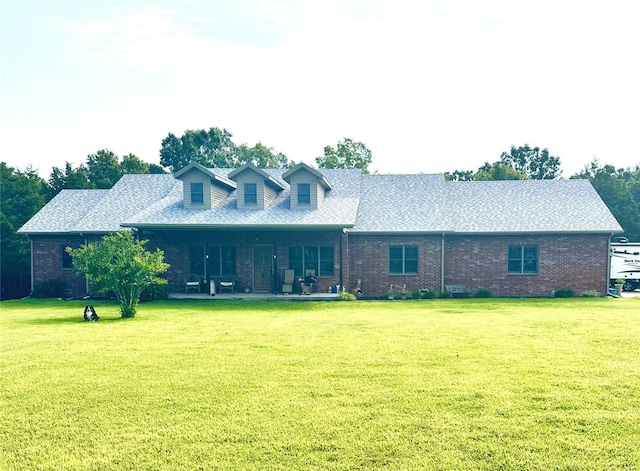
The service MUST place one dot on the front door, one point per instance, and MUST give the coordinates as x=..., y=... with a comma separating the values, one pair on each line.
x=262, y=268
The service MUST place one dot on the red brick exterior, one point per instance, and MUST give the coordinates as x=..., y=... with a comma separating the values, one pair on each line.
x=46, y=262
x=176, y=252
x=578, y=262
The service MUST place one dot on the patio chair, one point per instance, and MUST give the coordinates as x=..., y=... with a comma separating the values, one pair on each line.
x=192, y=282
x=228, y=283
x=287, y=287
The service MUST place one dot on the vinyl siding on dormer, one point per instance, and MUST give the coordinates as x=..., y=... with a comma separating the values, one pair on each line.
x=212, y=194
x=316, y=191
x=250, y=177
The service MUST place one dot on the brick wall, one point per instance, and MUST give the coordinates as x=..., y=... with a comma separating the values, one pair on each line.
x=369, y=262
x=176, y=252
x=47, y=262
x=578, y=262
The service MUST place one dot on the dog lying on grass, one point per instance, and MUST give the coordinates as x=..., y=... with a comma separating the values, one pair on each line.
x=90, y=314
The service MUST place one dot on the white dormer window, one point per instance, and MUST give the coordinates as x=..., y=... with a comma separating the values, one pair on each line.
x=197, y=193
x=202, y=188
x=304, y=193
x=250, y=194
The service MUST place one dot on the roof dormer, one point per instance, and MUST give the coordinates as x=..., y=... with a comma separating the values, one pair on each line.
x=203, y=189
x=256, y=188
x=308, y=187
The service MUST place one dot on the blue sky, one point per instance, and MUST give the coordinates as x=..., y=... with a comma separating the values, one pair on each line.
x=428, y=86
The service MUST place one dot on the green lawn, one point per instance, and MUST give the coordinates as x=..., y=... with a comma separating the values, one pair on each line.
x=416, y=385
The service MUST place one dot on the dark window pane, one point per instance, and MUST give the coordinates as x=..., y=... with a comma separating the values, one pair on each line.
x=514, y=266
x=304, y=193
x=228, y=260
x=295, y=260
x=197, y=193
x=326, y=261
x=65, y=259
x=395, y=267
x=213, y=261
x=250, y=193
x=196, y=259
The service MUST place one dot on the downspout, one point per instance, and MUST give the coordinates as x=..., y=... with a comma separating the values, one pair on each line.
x=342, y=248
x=608, y=278
x=86, y=279
x=31, y=244
x=442, y=264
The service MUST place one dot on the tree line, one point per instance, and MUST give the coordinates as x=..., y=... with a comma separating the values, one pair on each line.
x=24, y=192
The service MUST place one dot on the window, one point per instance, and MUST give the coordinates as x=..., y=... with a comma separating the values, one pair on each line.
x=403, y=260
x=196, y=260
x=221, y=260
x=522, y=259
x=250, y=193
x=197, y=193
x=304, y=193
x=311, y=257
x=65, y=259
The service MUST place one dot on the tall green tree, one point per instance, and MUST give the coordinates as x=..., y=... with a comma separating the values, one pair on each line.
x=119, y=263
x=212, y=148
x=23, y=194
x=498, y=171
x=459, y=175
x=131, y=164
x=347, y=154
x=535, y=163
x=103, y=169
x=69, y=178
x=620, y=190
x=261, y=156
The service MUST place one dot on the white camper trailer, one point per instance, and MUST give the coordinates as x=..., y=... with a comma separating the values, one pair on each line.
x=625, y=264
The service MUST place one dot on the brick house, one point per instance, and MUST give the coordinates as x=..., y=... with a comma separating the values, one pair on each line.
x=514, y=238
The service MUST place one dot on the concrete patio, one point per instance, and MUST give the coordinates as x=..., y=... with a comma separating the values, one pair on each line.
x=255, y=296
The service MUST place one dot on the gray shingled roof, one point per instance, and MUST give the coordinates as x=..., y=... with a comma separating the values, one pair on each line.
x=361, y=203
x=528, y=206
x=339, y=208
x=99, y=211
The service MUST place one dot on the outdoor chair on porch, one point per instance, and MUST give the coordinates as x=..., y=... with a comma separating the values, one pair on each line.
x=287, y=287
x=228, y=283
x=192, y=283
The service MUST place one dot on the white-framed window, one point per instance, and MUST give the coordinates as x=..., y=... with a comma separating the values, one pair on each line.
x=250, y=193
x=304, y=193
x=403, y=259
x=197, y=193
x=522, y=259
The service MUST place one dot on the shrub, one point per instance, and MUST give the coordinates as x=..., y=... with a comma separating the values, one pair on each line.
x=417, y=294
x=48, y=289
x=346, y=296
x=156, y=291
x=590, y=293
x=446, y=295
x=564, y=293
x=430, y=294
x=483, y=293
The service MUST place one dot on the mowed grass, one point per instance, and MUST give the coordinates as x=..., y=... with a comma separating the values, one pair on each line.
x=416, y=385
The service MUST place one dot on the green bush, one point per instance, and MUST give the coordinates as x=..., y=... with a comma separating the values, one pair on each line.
x=446, y=295
x=417, y=294
x=564, y=293
x=156, y=291
x=483, y=293
x=430, y=294
x=346, y=296
x=48, y=289
x=590, y=293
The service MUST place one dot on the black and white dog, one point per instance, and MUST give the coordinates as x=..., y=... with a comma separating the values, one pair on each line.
x=90, y=314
